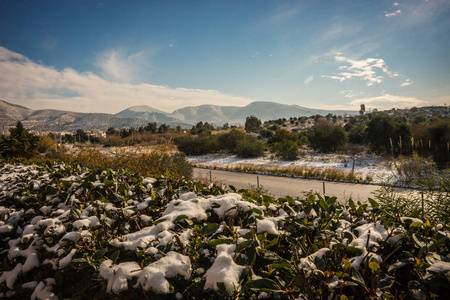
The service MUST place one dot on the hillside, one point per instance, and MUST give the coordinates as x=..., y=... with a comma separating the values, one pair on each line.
x=50, y=119
x=219, y=115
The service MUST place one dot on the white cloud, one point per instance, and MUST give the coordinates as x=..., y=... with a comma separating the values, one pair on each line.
x=395, y=4
x=365, y=69
x=393, y=14
x=351, y=94
x=117, y=65
x=309, y=79
x=37, y=86
x=387, y=101
x=406, y=83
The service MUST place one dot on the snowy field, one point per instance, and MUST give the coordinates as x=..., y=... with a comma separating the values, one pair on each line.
x=365, y=165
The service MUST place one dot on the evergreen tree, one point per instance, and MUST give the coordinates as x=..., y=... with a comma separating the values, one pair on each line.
x=20, y=143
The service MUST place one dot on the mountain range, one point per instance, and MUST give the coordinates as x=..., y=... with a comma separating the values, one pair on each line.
x=218, y=115
x=136, y=116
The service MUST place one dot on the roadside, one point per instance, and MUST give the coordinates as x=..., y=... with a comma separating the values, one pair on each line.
x=283, y=186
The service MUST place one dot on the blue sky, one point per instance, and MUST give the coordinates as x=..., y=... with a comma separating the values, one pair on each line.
x=105, y=56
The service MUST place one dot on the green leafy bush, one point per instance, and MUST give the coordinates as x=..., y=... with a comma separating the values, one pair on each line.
x=72, y=232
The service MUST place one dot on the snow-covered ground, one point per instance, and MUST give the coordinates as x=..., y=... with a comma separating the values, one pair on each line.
x=365, y=165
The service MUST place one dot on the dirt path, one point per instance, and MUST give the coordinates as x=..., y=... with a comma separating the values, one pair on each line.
x=282, y=186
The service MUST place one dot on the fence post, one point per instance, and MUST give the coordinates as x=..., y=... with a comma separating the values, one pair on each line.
x=210, y=176
x=422, y=207
x=323, y=188
x=257, y=181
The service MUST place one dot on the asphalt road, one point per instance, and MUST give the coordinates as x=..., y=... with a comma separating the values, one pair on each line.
x=283, y=186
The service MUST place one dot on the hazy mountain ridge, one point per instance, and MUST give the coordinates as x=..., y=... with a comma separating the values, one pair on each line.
x=136, y=116
x=55, y=120
x=218, y=115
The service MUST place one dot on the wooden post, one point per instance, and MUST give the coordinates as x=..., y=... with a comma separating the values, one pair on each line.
x=257, y=181
x=323, y=188
x=210, y=176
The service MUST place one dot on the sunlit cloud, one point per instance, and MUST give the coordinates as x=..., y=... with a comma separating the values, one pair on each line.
x=365, y=69
x=387, y=101
x=38, y=86
x=351, y=94
x=117, y=65
x=393, y=14
x=309, y=79
x=407, y=82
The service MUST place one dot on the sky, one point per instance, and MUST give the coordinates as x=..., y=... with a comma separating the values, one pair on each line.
x=90, y=56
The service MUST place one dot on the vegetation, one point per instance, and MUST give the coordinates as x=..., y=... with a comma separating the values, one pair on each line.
x=252, y=124
x=71, y=233
x=19, y=143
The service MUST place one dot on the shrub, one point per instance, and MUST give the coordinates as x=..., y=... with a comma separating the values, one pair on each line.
x=325, y=136
x=250, y=148
x=286, y=150
x=46, y=143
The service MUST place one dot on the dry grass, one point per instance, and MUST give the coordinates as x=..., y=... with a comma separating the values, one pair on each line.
x=146, y=163
x=297, y=171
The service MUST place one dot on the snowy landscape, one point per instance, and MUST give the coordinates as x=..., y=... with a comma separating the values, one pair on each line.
x=74, y=232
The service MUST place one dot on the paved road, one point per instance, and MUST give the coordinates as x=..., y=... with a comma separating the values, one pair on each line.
x=282, y=186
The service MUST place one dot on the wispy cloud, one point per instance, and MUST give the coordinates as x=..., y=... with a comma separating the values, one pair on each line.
x=407, y=82
x=387, y=101
x=351, y=94
x=38, y=86
x=392, y=14
x=309, y=79
x=117, y=65
x=365, y=69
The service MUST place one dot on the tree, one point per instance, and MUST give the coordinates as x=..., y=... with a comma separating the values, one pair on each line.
x=325, y=136
x=151, y=127
x=284, y=144
x=252, y=124
x=362, y=110
x=163, y=128
x=20, y=143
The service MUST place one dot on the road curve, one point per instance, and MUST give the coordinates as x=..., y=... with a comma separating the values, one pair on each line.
x=280, y=186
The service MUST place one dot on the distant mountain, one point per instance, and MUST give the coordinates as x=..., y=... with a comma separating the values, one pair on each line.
x=219, y=115
x=136, y=116
x=54, y=120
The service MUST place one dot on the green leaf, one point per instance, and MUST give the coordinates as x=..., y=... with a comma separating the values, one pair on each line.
x=437, y=244
x=356, y=277
x=282, y=264
x=108, y=183
x=209, y=229
x=181, y=217
x=263, y=284
x=323, y=204
x=99, y=253
x=290, y=200
x=272, y=243
x=374, y=266
x=385, y=282
x=115, y=256
x=222, y=287
x=216, y=242
x=257, y=211
x=352, y=204
x=373, y=203
x=244, y=245
x=416, y=291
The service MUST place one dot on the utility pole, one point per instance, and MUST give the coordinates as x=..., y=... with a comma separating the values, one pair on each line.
x=60, y=141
